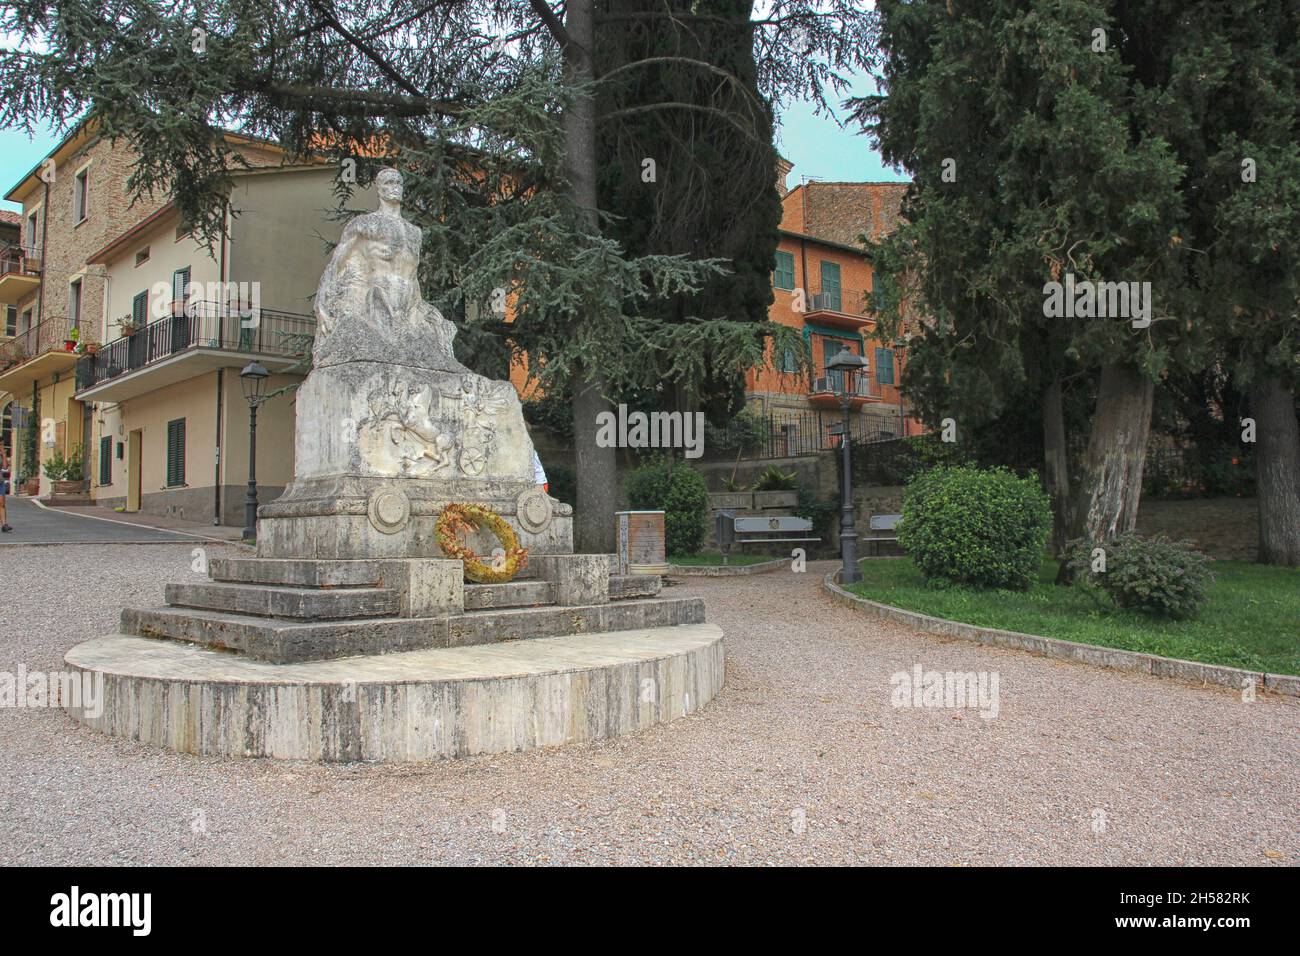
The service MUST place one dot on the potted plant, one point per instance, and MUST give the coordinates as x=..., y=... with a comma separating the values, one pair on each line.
x=70, y=343
x=128, y=327
x=775, y=488
x=65, y=472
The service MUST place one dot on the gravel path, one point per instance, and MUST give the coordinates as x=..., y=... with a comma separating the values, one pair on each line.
x=801, y=758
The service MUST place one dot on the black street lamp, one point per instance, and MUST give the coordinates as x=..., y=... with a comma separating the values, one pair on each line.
x=253, y=379
x=844, y=369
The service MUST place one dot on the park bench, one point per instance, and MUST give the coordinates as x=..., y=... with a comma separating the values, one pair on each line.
x=782, y=529
x=882, y=528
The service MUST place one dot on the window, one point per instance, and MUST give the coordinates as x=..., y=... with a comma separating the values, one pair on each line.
x=783, y=275
x=788, y=361
x=176, y=452
x=31, y=244
x=885, y=366
x=106, y=460
x=11, y=320
x=180, y=289
x=831, y=286
x=81, y=196
x=74, y=302
x=140, y=309
x=142, y=257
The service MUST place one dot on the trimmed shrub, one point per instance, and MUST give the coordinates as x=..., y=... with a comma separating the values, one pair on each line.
x=984, y=528
x=1156, y=576
x=681, y=493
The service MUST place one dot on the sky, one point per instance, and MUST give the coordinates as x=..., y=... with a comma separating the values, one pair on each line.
x=818, y=147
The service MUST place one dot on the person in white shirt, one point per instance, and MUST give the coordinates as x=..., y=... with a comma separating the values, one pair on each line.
x=539, y=473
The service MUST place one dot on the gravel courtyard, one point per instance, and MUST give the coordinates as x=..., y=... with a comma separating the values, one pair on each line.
x=801, y=759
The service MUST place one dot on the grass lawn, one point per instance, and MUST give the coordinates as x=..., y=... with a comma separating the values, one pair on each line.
x=708, y=559
x=1251, y=618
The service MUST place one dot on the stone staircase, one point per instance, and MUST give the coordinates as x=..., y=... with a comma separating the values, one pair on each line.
x=291, y=610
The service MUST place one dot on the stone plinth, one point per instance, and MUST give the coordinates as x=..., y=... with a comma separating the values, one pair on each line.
x=419, y=705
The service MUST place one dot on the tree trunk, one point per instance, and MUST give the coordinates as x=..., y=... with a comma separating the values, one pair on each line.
x=1277, y=472
x=1056, y=466
x=597, y=468
x=1111, y=484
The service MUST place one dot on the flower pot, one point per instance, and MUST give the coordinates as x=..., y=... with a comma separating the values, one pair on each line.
x=70, y=487
x=740, y=500
x=32, y=486
x=69, y=345
x=775, y=499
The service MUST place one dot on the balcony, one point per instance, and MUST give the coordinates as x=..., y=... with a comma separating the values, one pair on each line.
x=827, y=386
x=847, y=309
x=20, y=272
x=38, y=353
x=202, y=337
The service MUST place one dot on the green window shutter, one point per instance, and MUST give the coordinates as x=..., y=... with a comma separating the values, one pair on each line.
x=831, y=285
x=176, y=452
x=783, y=275
x=140, y=308
x=106, y=461
x=885, y=366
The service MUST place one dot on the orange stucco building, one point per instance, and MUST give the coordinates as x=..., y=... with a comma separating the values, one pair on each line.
x=825, y=288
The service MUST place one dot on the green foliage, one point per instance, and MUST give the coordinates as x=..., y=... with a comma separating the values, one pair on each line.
x=774, y=479
x=60, y=468
x=821, y=512
x=681, y=493
x=562, y=483
x=745, y=432
x=712, y=189
x=1248, y=621
x=1156, y=576
x=31, y=442
x=965, y=525
x=552, y=413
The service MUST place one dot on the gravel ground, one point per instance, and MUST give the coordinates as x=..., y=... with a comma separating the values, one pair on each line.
x=800, y=759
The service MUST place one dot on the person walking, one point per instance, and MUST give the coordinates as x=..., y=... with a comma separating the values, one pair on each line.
x=4, y=490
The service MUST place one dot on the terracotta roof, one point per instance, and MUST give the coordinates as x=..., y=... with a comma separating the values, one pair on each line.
x=10, y=218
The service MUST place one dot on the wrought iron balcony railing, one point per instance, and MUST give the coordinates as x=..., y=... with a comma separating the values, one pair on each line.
x=201, y=325
x=52, y=335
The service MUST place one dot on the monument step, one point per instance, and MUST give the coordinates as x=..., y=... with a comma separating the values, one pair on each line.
x=622, y=586
x=290, y=641
x=517, y=624
x=285, y=641
x=511, y=594
x=286, y=602
x=297, y=572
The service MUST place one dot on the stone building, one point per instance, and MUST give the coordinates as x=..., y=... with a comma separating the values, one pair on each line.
x=148, y=385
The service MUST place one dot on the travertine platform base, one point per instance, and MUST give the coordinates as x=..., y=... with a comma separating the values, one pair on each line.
x=412, y=706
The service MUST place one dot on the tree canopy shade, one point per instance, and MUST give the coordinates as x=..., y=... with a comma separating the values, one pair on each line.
x=1039, y=135
x=495, y=105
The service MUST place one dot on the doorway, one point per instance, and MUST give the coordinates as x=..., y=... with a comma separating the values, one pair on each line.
x=134, y=455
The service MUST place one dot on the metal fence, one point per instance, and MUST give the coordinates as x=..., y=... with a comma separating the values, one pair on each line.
x=790, y=434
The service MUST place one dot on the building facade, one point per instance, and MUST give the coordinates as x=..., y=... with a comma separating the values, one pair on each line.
x=131, y=333
x=825, y=288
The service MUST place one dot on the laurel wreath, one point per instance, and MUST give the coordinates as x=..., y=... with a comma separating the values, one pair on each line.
x=458, y=520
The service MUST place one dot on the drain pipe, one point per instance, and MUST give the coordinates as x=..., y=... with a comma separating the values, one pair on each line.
x=216, y=467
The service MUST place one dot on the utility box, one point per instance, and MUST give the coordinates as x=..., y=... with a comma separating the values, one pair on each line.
x=641, y=542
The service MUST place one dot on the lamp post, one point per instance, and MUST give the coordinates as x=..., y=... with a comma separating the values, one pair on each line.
x=849, y=367
x=253, y=379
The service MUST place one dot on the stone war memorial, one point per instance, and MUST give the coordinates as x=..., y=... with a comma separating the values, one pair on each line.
x=353, y=635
